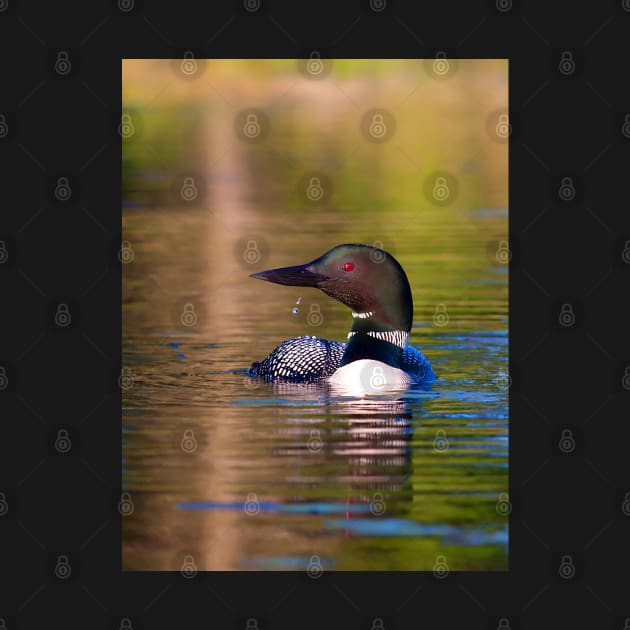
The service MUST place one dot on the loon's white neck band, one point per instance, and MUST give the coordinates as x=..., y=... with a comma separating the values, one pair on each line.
x=397, y=337
x=362, y=315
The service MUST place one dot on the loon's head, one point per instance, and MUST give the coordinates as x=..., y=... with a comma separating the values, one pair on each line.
x=368, y=280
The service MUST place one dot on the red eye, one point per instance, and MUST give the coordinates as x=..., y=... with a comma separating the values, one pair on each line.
x=348, y=266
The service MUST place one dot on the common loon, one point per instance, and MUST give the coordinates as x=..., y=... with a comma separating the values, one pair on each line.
x=377, y=354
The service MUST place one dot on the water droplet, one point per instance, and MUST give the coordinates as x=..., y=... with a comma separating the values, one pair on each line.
x=296, y=310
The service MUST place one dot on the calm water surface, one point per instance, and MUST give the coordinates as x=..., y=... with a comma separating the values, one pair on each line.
x=231, y=474
x=245, y=475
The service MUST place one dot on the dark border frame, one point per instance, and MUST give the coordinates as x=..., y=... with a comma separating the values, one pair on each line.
x=564, y=251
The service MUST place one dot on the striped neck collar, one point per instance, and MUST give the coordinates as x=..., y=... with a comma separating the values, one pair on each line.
x=397, y=337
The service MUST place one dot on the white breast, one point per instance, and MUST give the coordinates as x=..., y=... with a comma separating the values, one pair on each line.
x=367, y=376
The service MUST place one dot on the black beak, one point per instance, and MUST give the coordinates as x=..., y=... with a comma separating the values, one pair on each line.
x=298, y=276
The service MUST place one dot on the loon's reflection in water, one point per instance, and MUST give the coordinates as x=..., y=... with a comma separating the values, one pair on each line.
x=362, y=447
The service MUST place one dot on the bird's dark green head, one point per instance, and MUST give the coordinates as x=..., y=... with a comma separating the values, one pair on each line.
x=367, y=279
